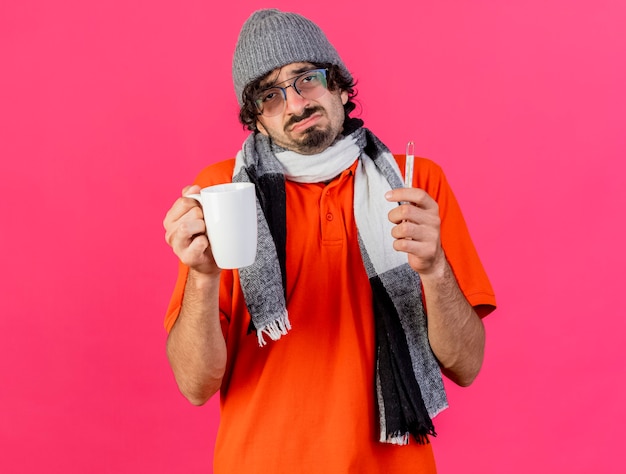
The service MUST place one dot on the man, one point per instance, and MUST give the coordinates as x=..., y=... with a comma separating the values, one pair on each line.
x=362, y=293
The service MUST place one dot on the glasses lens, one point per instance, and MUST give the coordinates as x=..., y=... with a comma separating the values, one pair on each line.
x=312, y=84
x=270, y=102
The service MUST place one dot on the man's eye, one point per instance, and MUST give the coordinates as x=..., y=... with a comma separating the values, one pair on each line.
x=309, y=78
x=268, y=96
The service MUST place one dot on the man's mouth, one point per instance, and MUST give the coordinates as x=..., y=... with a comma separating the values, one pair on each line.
x=307, y=119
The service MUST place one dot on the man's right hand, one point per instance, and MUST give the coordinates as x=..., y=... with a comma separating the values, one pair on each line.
x=185, y=232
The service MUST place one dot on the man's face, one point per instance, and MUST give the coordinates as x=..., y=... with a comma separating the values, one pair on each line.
x=305, y=126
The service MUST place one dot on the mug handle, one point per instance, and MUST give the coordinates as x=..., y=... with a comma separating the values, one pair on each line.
x=197, y=197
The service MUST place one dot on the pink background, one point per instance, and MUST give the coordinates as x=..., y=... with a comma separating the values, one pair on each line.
x=107, y=109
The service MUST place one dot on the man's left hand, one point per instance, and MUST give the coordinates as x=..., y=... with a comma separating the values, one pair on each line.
x=417, y=229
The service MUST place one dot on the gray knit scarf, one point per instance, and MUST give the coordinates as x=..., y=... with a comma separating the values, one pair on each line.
x=409, y=387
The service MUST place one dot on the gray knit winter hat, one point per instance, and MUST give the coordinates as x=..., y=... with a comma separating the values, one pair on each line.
x=270, y=39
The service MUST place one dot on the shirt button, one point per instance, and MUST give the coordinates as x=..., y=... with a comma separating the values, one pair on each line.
x=329, y=217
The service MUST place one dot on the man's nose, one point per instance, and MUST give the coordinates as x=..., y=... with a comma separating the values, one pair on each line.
x=295, y=102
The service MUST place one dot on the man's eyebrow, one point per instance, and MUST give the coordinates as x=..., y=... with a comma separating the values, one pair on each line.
x=302, y=69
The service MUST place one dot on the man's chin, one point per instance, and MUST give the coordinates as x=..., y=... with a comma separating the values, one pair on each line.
x=315, y=140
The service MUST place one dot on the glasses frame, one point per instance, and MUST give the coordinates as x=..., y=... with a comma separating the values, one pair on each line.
x=283, y=90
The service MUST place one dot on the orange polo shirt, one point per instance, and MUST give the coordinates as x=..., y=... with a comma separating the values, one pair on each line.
x=306, y=403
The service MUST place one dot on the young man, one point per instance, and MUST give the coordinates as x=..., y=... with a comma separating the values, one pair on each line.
x=328, y=350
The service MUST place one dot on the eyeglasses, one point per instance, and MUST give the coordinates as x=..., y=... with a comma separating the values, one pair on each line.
x=310, y=85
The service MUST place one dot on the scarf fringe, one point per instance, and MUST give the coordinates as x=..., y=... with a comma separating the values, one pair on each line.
x=396, y=438
x=402, y=439
x=275, y=329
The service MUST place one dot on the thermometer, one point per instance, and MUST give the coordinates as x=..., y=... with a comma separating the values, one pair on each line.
x=408, y=170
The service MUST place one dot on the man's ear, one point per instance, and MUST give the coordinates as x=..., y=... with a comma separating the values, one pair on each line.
x=344, y=97
x=261, y=128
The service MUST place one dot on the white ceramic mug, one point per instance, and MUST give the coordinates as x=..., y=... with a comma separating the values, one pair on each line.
x=230, y=216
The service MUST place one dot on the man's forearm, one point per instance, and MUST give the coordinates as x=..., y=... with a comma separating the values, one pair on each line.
x=455, y=332
x=195, y=346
